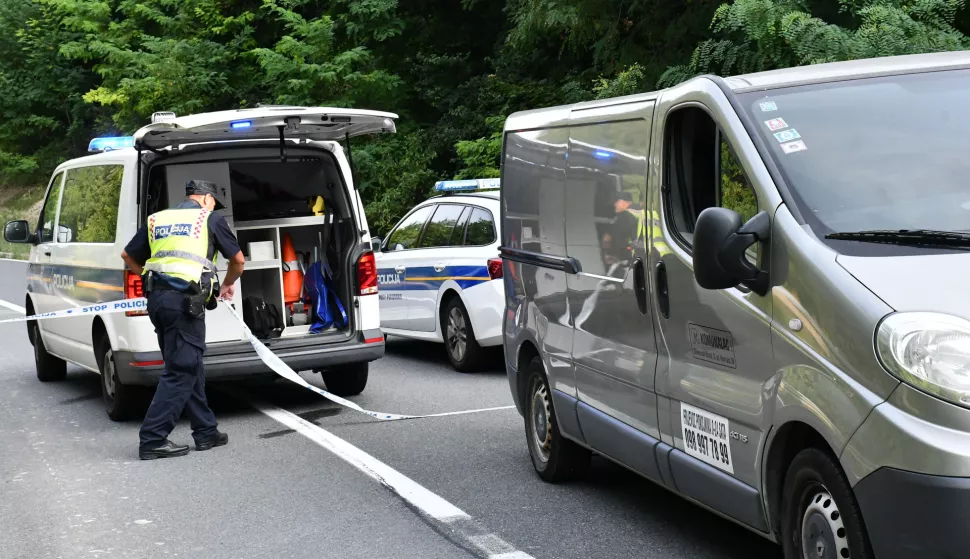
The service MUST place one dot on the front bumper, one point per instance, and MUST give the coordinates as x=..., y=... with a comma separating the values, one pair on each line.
x=238, y=360
x=912, y=515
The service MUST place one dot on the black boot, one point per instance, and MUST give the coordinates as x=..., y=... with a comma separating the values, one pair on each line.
x=219, y=439
x=168, y=449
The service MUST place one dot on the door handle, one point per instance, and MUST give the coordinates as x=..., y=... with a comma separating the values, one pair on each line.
x=47, y=252
x=663, y=296
x=439, y=267
x=400, y=269
x=640, y=285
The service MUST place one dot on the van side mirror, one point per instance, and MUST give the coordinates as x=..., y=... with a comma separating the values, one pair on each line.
x=720, y=242
x=17, y=232
x=375, y=244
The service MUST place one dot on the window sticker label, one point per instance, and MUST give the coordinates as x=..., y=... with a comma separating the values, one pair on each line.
x=794, y=147
x=787, y=135
x=768, y=106
x=776, y=124
x=706, y=437
x=712, y=345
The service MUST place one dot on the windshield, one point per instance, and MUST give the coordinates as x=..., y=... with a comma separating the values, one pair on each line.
x=881, y=153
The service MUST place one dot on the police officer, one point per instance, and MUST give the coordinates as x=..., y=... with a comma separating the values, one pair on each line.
x=175, y=254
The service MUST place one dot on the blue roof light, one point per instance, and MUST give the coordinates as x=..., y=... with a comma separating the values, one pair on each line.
x=600, y=154
x=240, y=124
x=467, y=185
x=98, y=145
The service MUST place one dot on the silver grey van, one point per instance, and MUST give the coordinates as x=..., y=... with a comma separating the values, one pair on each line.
x=754, y=291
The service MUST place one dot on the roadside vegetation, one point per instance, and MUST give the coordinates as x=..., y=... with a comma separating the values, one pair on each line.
x=74, y=69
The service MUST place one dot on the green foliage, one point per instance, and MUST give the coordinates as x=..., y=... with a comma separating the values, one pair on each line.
x=74, y=69
x=736, y=191
x=480, y=158
x=756, y=35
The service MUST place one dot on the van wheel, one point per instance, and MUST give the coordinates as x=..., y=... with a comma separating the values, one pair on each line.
x=349, y=380
x=49, y=368
x=554, y=457
x=463, y=350
x=121, y=401
x=820, y=516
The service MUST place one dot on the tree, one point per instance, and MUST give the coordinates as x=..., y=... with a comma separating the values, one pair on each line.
x=756, y=35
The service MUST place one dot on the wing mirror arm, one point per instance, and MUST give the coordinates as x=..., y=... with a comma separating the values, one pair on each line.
x=757, y=229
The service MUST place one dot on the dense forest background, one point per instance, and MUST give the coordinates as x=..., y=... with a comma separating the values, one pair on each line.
x=74, y=69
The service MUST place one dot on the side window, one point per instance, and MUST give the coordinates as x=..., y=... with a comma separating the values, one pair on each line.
x=458, y=235
x=47, y=216
x=89, y=207
x=439, y=231
x=481, y=229
x=409, y=231
x=701, y=171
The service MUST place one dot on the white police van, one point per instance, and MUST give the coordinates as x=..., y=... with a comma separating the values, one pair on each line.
x=437, y=270
x=269, y=163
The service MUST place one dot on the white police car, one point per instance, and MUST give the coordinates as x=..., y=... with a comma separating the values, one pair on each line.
x=440, y=273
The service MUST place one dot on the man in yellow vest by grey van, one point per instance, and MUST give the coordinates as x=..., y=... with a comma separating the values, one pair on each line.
x=175, y=253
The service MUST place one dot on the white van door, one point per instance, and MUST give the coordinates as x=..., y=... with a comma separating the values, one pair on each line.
x=85, y=263
x=39, y=274
x=266, y=123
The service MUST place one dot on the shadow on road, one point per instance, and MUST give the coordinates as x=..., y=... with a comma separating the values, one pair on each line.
x=428, y=352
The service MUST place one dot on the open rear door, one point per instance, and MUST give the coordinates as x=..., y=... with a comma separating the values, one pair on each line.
x=265, y=123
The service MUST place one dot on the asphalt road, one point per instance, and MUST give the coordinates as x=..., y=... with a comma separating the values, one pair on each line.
x=72, y=484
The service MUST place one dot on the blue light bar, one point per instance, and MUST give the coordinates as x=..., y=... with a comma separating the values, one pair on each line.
x=467, y=185
x=98, y=145
x=240, y=124
x=600, y=154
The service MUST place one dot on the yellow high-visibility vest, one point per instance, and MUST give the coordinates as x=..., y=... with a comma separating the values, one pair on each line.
x=179, y=241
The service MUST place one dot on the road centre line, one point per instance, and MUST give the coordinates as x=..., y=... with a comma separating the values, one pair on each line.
x=455, y=524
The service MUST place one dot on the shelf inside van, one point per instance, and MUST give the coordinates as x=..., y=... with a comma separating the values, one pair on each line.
x=281, y=222
x=261, y=265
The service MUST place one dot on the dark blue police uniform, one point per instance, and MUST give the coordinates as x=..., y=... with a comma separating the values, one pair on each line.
x=181, y=338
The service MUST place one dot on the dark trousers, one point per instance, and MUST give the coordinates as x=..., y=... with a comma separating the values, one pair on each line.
x=182, y=387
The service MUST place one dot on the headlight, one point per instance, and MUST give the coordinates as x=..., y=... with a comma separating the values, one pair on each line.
x=930, y=351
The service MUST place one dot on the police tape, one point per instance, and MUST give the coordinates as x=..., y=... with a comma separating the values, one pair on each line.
x=127, y=305
x=265, y=354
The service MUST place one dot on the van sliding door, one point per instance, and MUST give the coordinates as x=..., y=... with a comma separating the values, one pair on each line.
x=614, y=348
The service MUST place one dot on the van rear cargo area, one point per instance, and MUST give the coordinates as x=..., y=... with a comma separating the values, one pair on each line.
x=287, y=215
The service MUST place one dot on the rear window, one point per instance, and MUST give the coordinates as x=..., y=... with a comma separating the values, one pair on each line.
x=481, y=229
x=89, y=205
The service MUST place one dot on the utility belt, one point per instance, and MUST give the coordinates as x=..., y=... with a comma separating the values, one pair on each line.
x=195, y=301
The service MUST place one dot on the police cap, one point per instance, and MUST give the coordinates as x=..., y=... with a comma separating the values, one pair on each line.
x=200, y=188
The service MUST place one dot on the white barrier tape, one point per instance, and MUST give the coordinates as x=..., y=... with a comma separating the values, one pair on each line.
x=137, y=304
x=264, y=353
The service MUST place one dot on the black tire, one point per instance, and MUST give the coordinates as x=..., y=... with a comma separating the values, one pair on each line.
x=819, y=511
x=460, y=344
x=49, y=368
x=122, y=402
x=554, y=457
x=348, y=380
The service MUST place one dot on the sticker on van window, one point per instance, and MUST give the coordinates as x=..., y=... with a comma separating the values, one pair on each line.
x=787, y=135
x=776, y=124
x=706, y=437
x=711, y=345
x=768, y=106
x=794, y=147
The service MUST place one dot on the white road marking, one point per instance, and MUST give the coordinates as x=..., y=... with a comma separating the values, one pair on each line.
x=13, y=307
x=457, y=524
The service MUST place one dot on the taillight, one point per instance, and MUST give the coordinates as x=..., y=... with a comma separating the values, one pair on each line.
x=367, y=273
x=495, y=268
x=133, y=290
